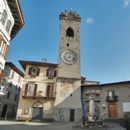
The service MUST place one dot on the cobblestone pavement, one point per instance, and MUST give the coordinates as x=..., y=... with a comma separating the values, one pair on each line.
x=12, y=125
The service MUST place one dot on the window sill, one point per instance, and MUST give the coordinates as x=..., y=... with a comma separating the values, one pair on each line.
x=50, y=77
x=33, y=76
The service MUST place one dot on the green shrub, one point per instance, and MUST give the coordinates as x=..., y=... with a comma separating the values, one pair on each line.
x=125, y=122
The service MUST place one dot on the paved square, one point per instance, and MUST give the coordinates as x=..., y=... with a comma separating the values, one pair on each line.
x=12, y=125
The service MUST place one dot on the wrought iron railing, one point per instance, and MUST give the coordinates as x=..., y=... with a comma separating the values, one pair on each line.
x=26, y=93
x=112, y=99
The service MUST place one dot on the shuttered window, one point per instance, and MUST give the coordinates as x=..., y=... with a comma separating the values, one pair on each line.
x=51, y=73
x=26, y=89
x=49, y=91
x=34, y=71
x=35, y=90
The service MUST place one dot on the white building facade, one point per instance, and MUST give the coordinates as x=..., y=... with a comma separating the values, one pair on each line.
x=11, y=21
x=12, y=79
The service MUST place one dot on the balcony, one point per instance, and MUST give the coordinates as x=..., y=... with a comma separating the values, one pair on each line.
x=38, y=94
x=111, y=99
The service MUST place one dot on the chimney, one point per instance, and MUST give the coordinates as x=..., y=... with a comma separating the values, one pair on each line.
x=44, y=60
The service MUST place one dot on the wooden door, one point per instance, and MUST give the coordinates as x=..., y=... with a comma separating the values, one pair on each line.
x=112, y=110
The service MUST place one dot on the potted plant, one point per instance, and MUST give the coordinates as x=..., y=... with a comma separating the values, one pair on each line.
x=125, y=122
x=40, y=93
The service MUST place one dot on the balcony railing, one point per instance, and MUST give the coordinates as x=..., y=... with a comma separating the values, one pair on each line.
x=112, y=99
x=38, y=94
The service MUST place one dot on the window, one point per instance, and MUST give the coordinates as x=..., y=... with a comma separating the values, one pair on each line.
x=70, y=32
x=30, y=89
x=8, y=95
x=111, y=94
x=51, y=73
x=8, y=26
x=49, y=91
x=67, y=44
x=4, y=17
x=34, y=71
x=15, y=98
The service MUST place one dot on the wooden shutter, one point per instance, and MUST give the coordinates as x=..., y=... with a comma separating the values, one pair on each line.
x=1, y=39
x=38, y=71
x=35, y=90
x=6, y=52
x=55, y=73
x=1, y=75
x=47, y=72
x=30, y=69
x=51, y=91
x=12, y=76
x=26, y=89
x=47, y=90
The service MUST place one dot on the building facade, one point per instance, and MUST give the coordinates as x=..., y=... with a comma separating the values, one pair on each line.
x=112, y=100
x=38, y=91
x=11, y=21
x=12, y=79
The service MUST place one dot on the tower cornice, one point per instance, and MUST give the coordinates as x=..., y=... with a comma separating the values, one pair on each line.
x=70, y=15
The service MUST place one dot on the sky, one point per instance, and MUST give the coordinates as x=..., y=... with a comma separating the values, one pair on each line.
x=104, y=36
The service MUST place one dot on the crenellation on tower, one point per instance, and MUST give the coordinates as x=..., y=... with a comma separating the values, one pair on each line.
x=70, y=15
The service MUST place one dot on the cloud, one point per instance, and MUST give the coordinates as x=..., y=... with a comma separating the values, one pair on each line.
x=126, y=3
x=89, y=20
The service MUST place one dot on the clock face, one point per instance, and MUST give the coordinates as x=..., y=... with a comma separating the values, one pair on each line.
x=69, y=57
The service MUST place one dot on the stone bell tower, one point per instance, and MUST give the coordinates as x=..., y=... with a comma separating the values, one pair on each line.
x=69, y=48
x=67, y=105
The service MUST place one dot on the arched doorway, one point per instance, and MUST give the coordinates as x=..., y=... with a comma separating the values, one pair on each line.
x=37, y=113
x=4, y=111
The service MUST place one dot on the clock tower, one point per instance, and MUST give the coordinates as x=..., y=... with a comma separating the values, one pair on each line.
x=67, y=106
x=69, y=48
